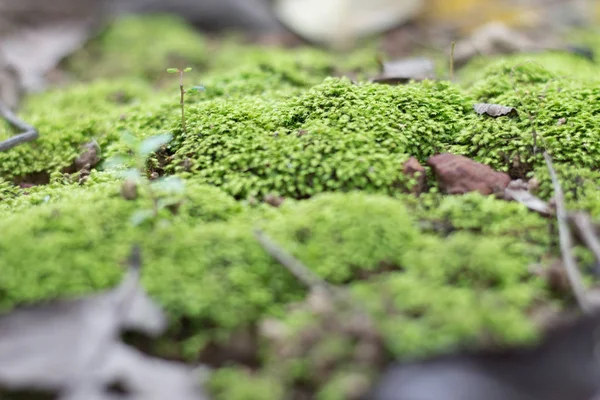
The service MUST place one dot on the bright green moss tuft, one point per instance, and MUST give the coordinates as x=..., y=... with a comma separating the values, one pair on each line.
x=420, y=316
x=565, y=113
x=8, y=190
x=337, y=136
x=210, y=272
x=480, y=214
x=67, y=119
x=140, y=46
x=580, y=186
x=345, y=236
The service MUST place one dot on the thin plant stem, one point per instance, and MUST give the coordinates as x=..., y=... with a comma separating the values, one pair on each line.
x=452, y=61
x=182, y=90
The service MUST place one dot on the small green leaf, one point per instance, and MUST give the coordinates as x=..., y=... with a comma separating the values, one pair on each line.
x=170, y=184
x=140, y=216
x=130, y=139
x=195, y=89
x=132, y=174
x=166, y=202
x=172, y=70
x=188, y=69
x=114, y=163
x=153, y=143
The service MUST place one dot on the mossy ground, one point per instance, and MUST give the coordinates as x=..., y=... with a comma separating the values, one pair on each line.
x=435, y=272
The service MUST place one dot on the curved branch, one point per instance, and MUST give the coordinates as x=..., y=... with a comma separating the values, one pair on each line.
x=28, y=133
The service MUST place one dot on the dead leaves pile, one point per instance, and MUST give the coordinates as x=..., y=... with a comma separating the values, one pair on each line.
x=71, y=349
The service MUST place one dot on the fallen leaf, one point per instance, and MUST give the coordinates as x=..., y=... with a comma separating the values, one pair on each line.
x=494, y=110
x=458, y=175
x=524, y=197
x=140, y=378
x=72, y=347
x=404, y=70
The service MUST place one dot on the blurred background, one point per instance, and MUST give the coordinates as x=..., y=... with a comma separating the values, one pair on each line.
x=36, y=34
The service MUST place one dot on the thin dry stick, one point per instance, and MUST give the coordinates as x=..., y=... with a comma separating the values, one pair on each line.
x=28, y=133
x=307, y=277
x=564, y=235
x=586, y=231
x=296, y=268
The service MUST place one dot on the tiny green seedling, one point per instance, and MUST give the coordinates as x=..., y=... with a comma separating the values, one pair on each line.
x=164, y=192
x=183, y=91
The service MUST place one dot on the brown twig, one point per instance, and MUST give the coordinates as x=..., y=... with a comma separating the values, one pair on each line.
x=28, y=133
x=564, y=235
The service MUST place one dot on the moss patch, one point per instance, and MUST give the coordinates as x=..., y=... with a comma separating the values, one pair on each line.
x=564, y=111
x=434, y=271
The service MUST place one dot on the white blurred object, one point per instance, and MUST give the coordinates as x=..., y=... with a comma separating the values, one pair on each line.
x=337, y=22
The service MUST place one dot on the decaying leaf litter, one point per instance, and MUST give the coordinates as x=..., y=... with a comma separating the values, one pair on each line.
x=491, y=381
x=71, y=348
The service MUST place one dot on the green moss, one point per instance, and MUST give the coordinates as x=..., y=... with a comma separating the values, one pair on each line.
x=256, y=145
x=341, y=236
x=8, y=190
x=237, y=384
x=462, y=291
x=580, y=187
x=193, y=272
x=435, y=271
x=555, y=62
x=215, y=273
x=142, y=47
x=317, y=62
x=480, y=214
x=419, y=316
x=67, y=119
x=565, y=113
